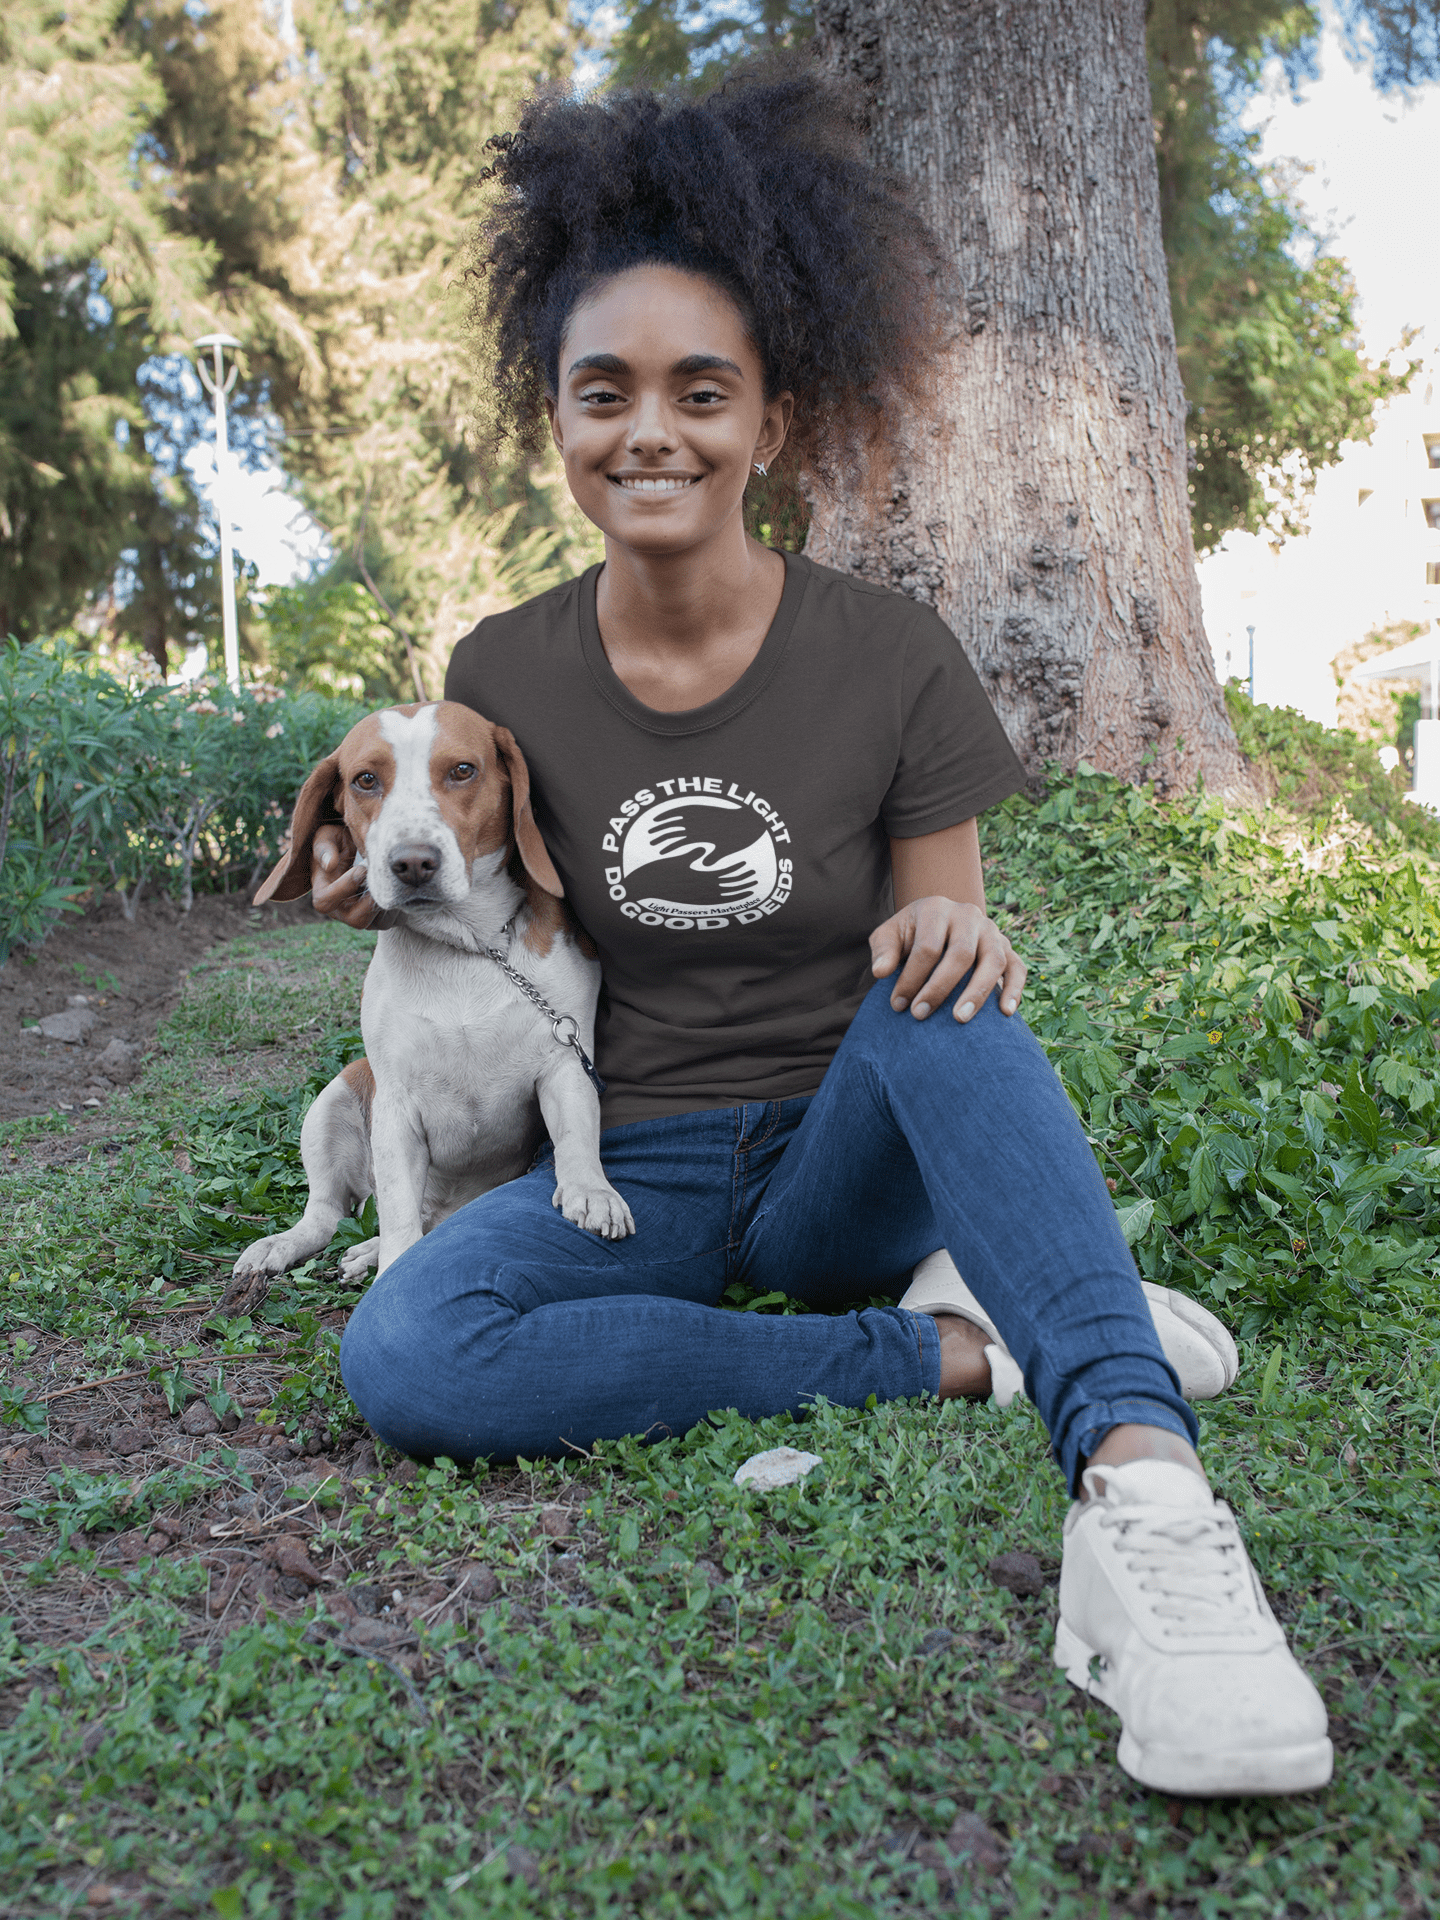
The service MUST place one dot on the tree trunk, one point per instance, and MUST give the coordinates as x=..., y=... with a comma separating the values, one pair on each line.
x=1042, y=506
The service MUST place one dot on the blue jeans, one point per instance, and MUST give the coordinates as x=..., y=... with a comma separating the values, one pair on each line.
x=508, y=1331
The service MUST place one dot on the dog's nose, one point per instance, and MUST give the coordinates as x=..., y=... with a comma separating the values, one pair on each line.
x=415, y=863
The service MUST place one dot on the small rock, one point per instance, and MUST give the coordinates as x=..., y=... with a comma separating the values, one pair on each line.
x=969, y=1837
x=937, y=1641
x=91, y=1738
x=73, y=1026
x=250, y=1460
x=708, y=1573
x=342, y=1608
x=84, y=1438
x=242, y=1504
x=126, y=1440
x=476, y=1583
x=197, y=1418
x=287, y=1555
x=557, y=1523
x=119, y=1063
x=365, y=1465
x=364, y=1598
x=780, y=1467
x=374, y=1633
x=53, y=1456
x=406, y=1474
x=1347, y=1454
x=1017, y=1573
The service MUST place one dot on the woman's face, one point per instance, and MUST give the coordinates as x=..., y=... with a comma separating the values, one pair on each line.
x=661, y=409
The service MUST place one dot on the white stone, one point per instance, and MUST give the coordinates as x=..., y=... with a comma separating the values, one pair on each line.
x=780, y=1467
x=72, y=1026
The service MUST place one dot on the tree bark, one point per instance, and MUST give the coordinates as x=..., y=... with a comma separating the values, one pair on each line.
x=1041, y=505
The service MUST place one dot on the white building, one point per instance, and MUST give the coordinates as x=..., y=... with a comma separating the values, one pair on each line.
x=1371, y=558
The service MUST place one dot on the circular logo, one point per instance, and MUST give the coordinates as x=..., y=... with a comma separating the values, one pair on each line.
x=697, y=853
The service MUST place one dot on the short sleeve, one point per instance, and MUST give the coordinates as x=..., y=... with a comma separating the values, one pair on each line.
x=955, y=760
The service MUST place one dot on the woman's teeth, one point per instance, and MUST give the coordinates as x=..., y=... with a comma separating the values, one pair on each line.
x=655, y=486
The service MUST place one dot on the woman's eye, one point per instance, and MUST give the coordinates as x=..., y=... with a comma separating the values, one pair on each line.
x=706, y=396
x=601, y=395
x=463, y=772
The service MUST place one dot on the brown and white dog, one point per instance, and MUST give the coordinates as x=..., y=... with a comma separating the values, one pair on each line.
x=462, y=1076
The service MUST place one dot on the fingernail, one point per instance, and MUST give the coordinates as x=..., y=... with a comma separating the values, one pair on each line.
x=1010, y=1006
x=966, y=1011
x=922, y=1007
x=899, y=1005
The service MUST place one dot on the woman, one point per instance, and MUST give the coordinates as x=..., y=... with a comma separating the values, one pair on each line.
x=759, y=781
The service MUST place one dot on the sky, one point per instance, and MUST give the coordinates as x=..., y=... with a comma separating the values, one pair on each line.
x=1370, y=161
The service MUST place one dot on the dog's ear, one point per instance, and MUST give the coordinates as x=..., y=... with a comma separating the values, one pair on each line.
x=538, y=864
x=290, y=879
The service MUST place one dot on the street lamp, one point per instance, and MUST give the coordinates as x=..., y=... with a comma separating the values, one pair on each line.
x=219, y=384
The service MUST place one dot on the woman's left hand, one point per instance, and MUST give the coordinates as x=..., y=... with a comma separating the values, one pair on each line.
x=939, y=941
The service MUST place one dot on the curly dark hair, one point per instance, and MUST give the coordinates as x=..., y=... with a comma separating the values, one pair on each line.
x=761, y=187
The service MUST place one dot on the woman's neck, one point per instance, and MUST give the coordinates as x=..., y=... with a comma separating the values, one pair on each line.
x=679, y=629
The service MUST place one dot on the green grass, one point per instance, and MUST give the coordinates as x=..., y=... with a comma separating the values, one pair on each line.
x=785, y=1729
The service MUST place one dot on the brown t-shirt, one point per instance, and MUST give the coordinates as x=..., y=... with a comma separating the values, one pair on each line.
x=730, y=862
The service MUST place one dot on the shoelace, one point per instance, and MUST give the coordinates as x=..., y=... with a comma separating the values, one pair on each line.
x=1192, y=1564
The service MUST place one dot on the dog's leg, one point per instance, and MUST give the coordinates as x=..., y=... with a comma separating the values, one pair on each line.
x=571, y=1108
x=335, y=1150
x=401, y=1155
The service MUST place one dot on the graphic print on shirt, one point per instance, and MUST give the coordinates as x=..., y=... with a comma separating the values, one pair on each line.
x=696, y=854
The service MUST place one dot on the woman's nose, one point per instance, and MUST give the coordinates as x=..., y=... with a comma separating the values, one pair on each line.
x=652, y=428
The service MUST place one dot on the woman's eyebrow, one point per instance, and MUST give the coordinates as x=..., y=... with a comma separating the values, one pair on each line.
x=705, y=363
x=692, y=363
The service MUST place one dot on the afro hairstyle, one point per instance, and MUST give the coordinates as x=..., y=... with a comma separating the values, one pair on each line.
x=761, y=187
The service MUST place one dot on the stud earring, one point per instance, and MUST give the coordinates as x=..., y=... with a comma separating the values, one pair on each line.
x=760, y=468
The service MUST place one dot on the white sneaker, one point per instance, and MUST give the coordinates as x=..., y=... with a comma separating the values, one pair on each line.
x=1195, y=1343
x=1163, y=1618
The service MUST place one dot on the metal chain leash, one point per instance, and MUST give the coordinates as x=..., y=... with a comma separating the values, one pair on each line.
x=557, y=1020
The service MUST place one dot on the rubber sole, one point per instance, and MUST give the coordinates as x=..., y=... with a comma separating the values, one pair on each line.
x=1211, y=1775
x=1196, y=1344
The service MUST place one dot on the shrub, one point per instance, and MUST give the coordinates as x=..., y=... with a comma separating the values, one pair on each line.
x=108, y=783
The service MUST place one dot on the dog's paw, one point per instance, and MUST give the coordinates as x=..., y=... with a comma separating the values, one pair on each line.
x=360, y=1259
x=596, y=1209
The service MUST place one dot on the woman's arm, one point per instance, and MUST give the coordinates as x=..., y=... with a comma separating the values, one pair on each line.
x=940, y=928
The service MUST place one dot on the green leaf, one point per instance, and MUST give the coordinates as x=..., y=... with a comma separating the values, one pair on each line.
x=1135, y=1221
x=1204, y=1178
x=228, y=1902
x=629, y=1541
x=1271, y=1375
x=1362, y=1116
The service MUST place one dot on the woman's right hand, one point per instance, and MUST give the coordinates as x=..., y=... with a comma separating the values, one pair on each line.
x=337, y=885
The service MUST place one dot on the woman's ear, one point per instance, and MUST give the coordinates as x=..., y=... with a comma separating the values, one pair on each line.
x=538, y=864
x=290, y=879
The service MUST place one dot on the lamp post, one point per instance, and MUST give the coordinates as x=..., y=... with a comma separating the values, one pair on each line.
x=1251, y=632
x=219, y=384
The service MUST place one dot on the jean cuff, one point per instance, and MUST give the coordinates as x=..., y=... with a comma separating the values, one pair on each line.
x=927, y=1334
x=1090, y=1425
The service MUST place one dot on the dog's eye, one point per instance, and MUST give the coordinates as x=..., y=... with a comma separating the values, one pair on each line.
x=464, y=771
x=366, y=782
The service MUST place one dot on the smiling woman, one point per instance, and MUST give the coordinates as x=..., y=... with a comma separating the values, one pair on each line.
x=760, y=190
x=758, y=781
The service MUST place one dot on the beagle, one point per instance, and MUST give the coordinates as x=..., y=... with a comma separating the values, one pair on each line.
x=462, y=1076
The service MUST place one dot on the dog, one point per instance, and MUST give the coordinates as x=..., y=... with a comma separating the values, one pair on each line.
x=463, y=1075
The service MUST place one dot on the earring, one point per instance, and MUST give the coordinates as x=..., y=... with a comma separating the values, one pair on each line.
x=760, y=468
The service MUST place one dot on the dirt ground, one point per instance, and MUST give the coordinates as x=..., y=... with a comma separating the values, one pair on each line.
x=129, y=975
